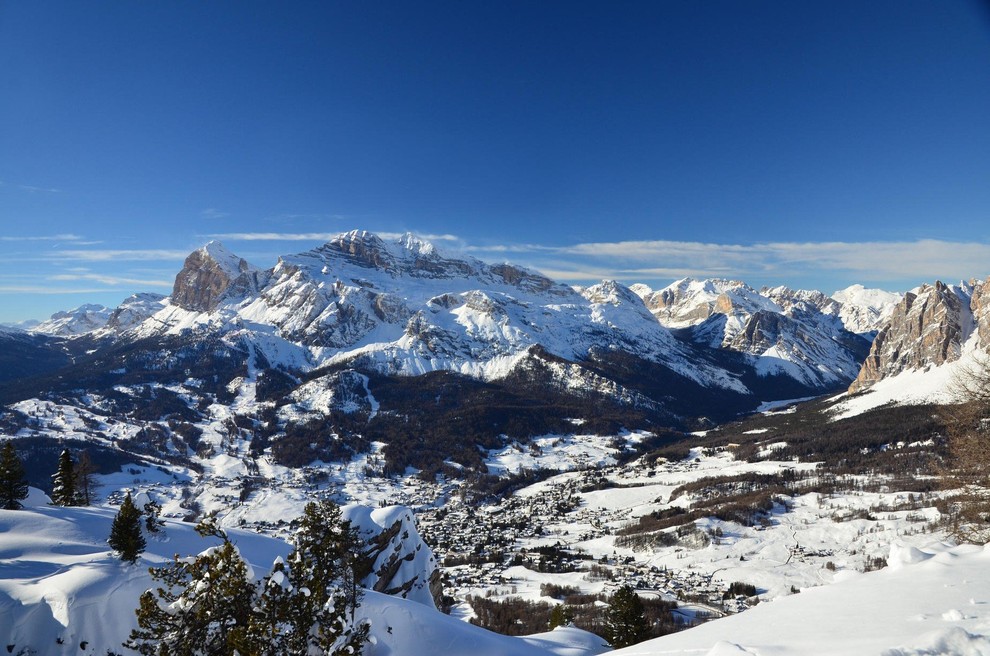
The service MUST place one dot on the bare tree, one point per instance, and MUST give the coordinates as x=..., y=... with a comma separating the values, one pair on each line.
x=86, y=481
x=968, y=432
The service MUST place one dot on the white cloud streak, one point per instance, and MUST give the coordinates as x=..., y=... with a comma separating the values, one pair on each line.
x=31, y=189
x=427, y=237
x=109, y=280
x=65, y=237
x=117, y=255
x=48, y=291
x=274, y=236
x=922, y=260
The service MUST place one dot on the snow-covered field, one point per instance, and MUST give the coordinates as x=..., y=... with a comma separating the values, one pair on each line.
x=927, y=602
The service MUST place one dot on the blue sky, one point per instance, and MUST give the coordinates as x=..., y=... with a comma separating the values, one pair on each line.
x=812, y=144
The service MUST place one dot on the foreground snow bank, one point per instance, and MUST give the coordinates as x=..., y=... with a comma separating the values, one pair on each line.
x=63, y=592
x=404, y=628
x=929, y=601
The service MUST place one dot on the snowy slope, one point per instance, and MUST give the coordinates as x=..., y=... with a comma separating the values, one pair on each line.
x=927, y=602
x=933, y=384
x=59, y=585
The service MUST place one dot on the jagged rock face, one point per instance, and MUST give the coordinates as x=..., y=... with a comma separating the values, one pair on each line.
x=926, y=328
x=980, y=307
x=208, y=276
x=414, y=258
x=762, y=331
x=402, y=564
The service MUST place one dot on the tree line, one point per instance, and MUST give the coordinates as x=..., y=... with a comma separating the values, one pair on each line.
x=73, y=484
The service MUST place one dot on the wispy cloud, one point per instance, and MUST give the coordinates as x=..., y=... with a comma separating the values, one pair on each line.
x=61, y=237
x=274, y=236
x=31, y=189
x=427, y=237
x=213, y=213
x=48, y=291
x=109, y=279
x=95, y=255
x=868, y=262
x=512, y=248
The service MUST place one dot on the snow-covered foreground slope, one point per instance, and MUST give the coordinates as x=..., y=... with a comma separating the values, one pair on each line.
x=927, y=602
x=62, y=591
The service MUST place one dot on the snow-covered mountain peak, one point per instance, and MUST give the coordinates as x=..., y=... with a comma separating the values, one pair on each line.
x=227, y=261
x=787, y=298
x=864, y=310
x=611, y=292
x=134, y=310
x=79, y=321
x=860, y=295
x=360, y=247
x=416, y=246
x=210, y=275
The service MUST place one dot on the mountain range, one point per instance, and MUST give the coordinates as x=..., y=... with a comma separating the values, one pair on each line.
x=436, y=355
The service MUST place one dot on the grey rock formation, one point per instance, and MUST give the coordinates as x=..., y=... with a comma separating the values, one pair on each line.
x=211, y=274
x=926, y=328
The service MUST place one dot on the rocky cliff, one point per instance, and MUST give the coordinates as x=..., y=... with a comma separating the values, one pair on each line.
x=210, y=275
x=927, y=328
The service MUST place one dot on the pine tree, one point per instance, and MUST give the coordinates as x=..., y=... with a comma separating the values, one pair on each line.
x=560, y=615
x=205, y=606
x=125, y=532
x=64, y=481
x=315, y=599
x=153, y=522
x=209, y=605
x=625, y=619
x=13, y=484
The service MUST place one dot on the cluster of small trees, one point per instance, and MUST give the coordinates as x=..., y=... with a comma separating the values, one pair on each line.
x=624, y=618
x=210, y=605
x=73, y=484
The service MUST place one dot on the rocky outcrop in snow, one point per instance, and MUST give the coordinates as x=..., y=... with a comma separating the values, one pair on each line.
x=402, y=563
x=928, y=327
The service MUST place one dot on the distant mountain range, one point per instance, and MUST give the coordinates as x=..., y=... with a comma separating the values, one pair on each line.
x=370, y=333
